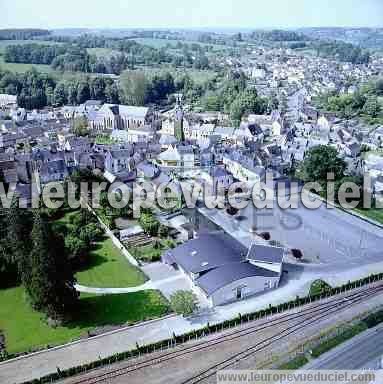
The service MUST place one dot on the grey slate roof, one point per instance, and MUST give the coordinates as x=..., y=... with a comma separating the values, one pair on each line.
x=222, y=276
x=265, y=253
x=207, y=252
x=219, y=172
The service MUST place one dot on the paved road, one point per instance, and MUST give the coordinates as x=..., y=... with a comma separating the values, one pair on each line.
x=356, y=353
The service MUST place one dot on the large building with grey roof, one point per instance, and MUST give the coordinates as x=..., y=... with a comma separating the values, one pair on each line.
x=223, y=270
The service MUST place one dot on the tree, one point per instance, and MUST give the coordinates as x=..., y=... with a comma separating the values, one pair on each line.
x=112, y=93
x=76, y=248
x=320, y=161
x=163, y=231
x=184, y=302
x=372, y=107
x=90, y=233
x=80, y=126
x=50, y=284
x=83, y=92
x=134, y=85
x=149, y=223
x=247, y=102
x=319, y=287
x=19, y=224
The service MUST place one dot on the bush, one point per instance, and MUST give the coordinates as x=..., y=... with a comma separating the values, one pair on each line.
x=90, y=233
x=149, y=224
x=184, y=302
x=265, y=235
x=297, y=253
x=163, y=231
x=76, y=248
x=319, y=287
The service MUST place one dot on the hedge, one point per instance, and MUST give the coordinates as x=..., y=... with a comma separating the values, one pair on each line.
x=209, y=329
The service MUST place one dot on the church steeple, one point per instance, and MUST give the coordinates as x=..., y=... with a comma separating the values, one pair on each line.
x=180, y=134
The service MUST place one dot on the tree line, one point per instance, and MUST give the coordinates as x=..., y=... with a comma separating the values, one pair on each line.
x=36, y=90
x=22, y=33
x=33, y=255
x=72, y=55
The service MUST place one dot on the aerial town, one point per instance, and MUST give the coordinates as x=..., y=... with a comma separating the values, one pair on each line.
x=96, y=292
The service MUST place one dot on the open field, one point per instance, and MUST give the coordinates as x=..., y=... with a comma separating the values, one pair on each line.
x=26, y=329
x=21, y=67
x=4, y=43
x=108, y=268
x=372, y=213
x=101, y=52
x=160, y=43
x=199, y=76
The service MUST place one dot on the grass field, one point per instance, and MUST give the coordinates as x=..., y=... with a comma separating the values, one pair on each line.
x=101, y=52
x=295, y=363
x=21, y=68
x=199, y=76
x=4, y=43
x=160, y=43
x=109, y=268
x=25, y=329
x=372, y=213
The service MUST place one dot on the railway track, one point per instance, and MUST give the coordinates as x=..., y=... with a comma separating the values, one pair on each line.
x=316, y=313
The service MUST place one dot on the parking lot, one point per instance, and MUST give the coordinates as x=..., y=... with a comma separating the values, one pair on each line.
x=326, y=236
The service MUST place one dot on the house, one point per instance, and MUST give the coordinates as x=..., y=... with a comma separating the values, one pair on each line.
x=243, y=168
x=218, y=179
x=119, y=160
x=223, y=270
x=55, y=170
x=8, y=100
x=147, y=171
x=225, y=133
x=167, y=140
x=181, y=156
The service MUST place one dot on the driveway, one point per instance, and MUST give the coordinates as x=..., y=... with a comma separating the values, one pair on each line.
x=169, y=280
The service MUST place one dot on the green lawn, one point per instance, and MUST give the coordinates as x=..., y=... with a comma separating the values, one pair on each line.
x=160, y=43
x=102, y=52
x=25, y=329
x=337, y=340
x=4, y=43
x=21, y=68
x=109, y=268
x=372, y=213
x=199, y=76
x=295, y=363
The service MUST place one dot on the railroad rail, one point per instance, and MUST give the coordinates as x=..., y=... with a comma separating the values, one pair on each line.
x=320, y=311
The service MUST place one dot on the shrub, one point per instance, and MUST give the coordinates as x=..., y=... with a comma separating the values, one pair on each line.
x=319, y=287
x=297, y=253
x=184, y=302
x=265, y=235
